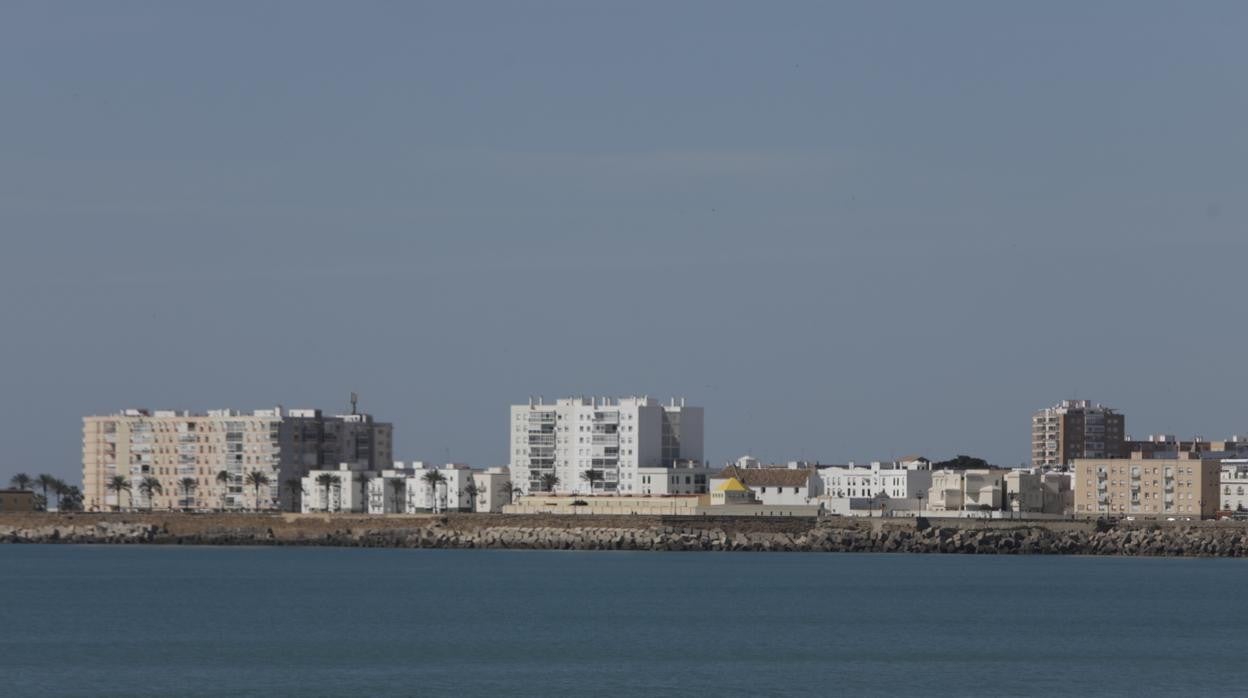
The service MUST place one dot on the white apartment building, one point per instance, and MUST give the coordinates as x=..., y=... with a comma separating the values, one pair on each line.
x=1234, y=484
x=341, y=489
x=387, y=490
x=598, y=445
x=169, y=445
x=449, y=492
x=867, y=489
x=493, y=489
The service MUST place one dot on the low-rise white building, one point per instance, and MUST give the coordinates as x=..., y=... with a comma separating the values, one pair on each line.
x=1035, y=491
x=773, y=486
x=966, y=490
x=682, y=478
x=493, y=489
x=338, y=490
x=387, y=489
x=865, y=490
x=446, y=491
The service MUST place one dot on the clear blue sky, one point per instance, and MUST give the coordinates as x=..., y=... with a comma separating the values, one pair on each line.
x=849, y=230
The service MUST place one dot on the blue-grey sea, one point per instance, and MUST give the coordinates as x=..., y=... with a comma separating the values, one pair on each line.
x=200, y=621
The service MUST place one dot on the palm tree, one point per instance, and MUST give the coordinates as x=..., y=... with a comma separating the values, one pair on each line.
x=513, y=490
x=326, y=480
x=433, y=478
x=21, y=481
x=223, y=479
x=294, y=486
x=591, y=477
x=71, y=499
x=60, y=489
x=549, y=482
x=188, y=485
x=116, y=484
x=364, y=480
x=397, y=485
x=257, y=480
x=149, y=486
x=472, y=491
x=46, y=482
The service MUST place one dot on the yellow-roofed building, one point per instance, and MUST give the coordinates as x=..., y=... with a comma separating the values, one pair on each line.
x=732, y=491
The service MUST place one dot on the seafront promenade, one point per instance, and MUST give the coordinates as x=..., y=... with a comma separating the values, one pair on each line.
x=651, y=533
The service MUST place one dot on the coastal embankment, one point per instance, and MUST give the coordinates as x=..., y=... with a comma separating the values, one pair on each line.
x=651, y=533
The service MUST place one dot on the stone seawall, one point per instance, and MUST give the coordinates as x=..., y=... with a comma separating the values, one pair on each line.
x=643, y=533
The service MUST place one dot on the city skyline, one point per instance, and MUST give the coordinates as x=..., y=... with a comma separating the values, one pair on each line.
x=588, y=403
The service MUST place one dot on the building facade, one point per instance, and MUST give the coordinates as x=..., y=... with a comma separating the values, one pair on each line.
x=1076, y=429
x=282, y=445
x=336, y=490
x=17, y=500
x=980, y=489
x=387, y=490
x=493, y=489
x=1186, y=486
x=866, y=489
x=1233, y=480
x=448, y=491
x=1038, y=492
x=598, y=445
x=683, y=478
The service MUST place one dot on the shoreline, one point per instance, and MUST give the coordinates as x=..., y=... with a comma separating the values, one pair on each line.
x=637, y=533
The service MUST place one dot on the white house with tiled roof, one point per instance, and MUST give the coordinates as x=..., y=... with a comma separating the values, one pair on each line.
x=773, y=486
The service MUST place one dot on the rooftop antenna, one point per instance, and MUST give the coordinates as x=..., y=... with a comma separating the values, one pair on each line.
x=355, y=401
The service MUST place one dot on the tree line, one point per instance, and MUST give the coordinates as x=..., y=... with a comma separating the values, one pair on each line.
x=68, y=497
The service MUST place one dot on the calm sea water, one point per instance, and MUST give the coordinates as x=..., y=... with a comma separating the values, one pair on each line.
x=163, y=621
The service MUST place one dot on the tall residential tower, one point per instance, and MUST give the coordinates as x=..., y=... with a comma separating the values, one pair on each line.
x=597, y=444
x=1076, y=429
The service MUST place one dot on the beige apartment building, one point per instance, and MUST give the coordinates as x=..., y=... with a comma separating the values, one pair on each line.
x=1186, y=486
x=1076, y=429
x=172, y=446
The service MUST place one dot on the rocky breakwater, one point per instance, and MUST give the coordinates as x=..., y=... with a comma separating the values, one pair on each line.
x=964, y=537
x=118, y=532
x=1021, y=540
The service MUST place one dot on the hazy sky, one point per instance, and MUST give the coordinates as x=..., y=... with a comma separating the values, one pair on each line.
x=849, y=230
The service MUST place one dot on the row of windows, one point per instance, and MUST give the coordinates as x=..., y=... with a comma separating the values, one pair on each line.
x=533, y=439
x=1136, y=471
x=779, y=490
x=1134, y=483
